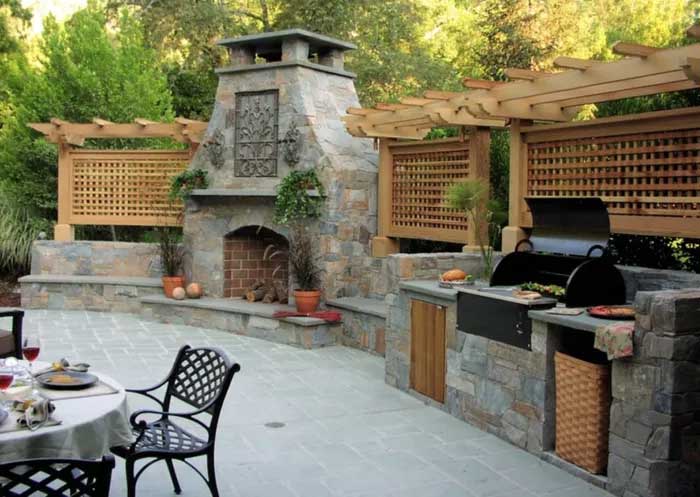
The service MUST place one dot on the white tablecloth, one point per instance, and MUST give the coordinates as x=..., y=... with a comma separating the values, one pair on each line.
x=90, y=426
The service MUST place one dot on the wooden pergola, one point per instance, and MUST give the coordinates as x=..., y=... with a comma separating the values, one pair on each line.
x=117, y=187
x=536, y=96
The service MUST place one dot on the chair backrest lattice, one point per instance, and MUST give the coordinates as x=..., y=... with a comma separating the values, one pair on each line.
x=649, y=181
x=200, y=377
x=56, y=478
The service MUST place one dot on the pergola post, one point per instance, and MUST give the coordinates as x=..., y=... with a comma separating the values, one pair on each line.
x=480, y=169
x=517, y=187
x=64, y=231
x=382, y=245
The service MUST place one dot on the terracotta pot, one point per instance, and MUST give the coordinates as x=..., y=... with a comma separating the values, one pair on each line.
x=307, y=302
x=170, y=283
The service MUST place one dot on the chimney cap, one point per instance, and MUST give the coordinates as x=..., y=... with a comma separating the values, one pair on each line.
x=271, y=41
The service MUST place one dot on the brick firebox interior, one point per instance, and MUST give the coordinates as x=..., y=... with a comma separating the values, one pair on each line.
x=254, y=253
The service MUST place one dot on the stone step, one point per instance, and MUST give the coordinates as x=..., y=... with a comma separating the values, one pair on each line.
x=238, y=316
x=364, y=322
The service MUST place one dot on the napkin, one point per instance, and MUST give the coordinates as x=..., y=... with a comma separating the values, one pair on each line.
x=64, y=365
x=35, y=413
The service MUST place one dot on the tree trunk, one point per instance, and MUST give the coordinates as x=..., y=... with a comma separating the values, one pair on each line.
x=254, y=286
x=270, y=296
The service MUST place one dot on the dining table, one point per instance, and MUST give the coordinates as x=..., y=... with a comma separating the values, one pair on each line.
x=85, y=423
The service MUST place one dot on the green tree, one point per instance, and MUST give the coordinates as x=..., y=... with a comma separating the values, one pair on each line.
x=85, y=69
x=12, y=18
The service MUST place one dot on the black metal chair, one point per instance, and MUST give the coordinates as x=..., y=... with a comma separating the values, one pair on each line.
x=11, y=340
x=56, y=478
x=200, y=377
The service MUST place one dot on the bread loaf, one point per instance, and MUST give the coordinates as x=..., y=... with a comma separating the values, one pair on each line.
x=454, y=275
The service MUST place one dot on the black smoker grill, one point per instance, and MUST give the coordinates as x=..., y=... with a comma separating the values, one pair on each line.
x=566, y=248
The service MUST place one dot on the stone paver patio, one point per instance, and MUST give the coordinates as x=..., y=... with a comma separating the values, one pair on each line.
x=345, y=432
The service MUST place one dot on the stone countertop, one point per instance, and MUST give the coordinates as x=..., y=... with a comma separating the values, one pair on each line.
x=581, y=322
x=430, y=288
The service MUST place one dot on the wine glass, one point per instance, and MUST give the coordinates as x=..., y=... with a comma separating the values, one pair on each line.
x=30, y=349
x=7, y=376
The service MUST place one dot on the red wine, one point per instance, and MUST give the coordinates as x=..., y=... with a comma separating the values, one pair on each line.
x=6, y=381
x=30, y=353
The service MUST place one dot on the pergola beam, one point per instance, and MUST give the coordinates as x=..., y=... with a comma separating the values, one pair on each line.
x=525, y=74
x=633, y=49
x=59, y=131
x=481, y=84
x=574, y=63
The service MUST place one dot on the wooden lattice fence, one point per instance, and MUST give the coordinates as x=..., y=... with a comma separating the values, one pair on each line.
x=413, y=181
x=117, y=187
x=645, y=167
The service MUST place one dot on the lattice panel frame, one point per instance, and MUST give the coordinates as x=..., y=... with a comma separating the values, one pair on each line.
x=125, y=188
x=646, y=179
x=420, y=178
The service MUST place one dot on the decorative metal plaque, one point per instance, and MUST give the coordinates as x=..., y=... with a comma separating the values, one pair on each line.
x=255, y=149
x=291, y=145
x=215, y=148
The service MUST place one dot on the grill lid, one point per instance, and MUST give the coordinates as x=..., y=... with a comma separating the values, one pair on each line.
x=569, y=226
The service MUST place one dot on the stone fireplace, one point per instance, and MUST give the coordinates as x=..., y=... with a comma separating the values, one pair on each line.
x=278, y=108
x=251, y=254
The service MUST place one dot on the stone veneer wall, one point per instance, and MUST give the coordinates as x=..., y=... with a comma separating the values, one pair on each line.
x=494, y=386
x=655, y=414
x=85, y=258
x=385, y=273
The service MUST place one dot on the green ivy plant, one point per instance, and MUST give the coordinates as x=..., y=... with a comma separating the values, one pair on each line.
x=293, y=201
x=183, y=184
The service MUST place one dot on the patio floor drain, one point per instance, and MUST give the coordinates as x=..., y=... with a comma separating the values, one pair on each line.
x=275, y=424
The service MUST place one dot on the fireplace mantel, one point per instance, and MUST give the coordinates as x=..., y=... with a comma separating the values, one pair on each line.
x=241, y=192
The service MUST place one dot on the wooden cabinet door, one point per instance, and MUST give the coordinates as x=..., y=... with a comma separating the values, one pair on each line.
x=428, y=349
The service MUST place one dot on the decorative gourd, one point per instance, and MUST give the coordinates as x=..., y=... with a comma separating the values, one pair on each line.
x=453, y=275
x=194, y=291
x=179, y=293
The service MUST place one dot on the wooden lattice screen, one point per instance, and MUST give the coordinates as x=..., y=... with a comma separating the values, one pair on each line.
x=117, y=187
x=646, y=168
x=416, y=177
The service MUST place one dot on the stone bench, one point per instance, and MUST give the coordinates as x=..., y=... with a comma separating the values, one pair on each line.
x=363, y=322
x=253, y=319
x=89, y=293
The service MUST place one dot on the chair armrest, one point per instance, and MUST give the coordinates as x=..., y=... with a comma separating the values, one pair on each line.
x=146, y=392
x=142, y=424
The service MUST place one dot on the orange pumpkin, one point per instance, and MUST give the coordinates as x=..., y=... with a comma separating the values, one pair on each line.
x=194, y=291
x=179, y=293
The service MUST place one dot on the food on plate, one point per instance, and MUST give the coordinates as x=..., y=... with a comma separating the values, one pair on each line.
x=455, y=275
x=526, y=294
x=554, y=291
x=62, y=379
x=612, y=311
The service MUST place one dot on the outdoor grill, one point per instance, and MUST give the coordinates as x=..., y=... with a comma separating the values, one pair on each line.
x=567, y=248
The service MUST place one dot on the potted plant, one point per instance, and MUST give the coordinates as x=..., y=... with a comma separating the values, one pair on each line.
x=172, y=256
x=487, y=216
x=303, y=263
